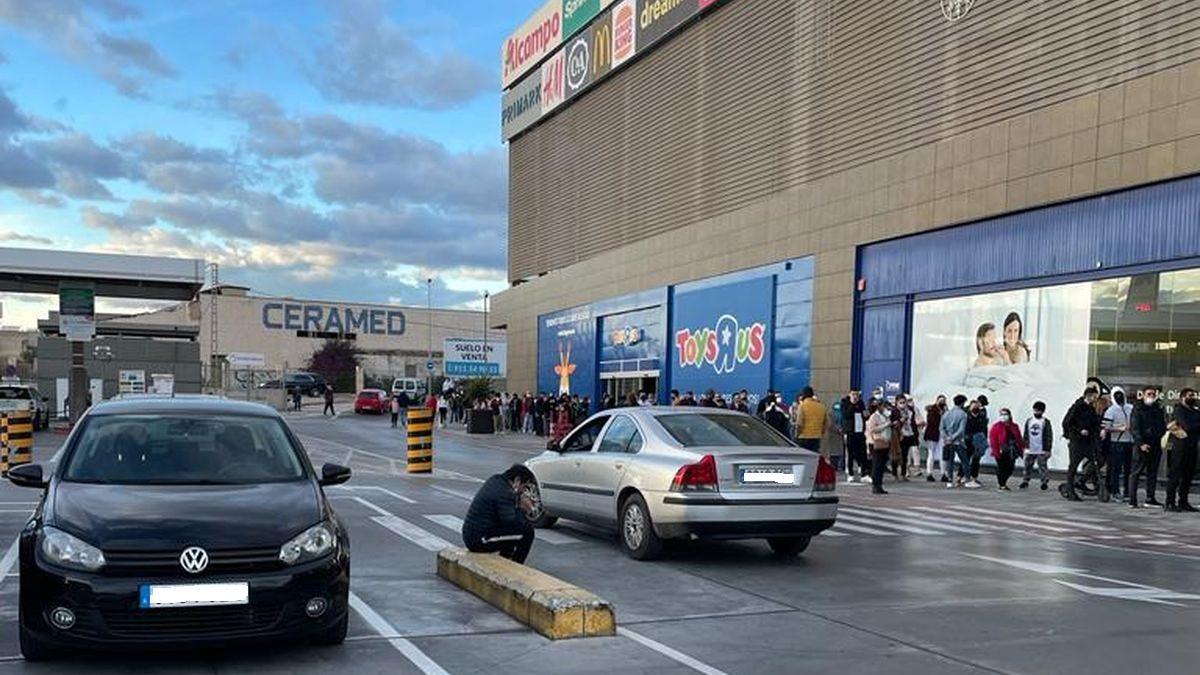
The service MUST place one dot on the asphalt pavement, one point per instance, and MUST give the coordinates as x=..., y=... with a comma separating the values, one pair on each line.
x=924, y=580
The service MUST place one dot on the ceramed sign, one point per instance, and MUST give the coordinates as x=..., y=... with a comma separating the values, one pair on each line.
x=327, y=319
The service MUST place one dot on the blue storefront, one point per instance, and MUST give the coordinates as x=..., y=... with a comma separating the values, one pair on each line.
x=746, y=330
x=1028, y=306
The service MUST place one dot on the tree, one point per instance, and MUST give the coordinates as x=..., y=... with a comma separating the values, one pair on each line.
x=336, y=361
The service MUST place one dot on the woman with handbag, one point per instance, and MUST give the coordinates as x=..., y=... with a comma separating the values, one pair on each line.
x=881, y=434
x=1008, y=445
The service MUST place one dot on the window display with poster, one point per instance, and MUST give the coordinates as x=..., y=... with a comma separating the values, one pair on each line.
x=1042, y=344
x=131, y=382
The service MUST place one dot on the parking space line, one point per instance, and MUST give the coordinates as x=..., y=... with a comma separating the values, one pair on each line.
x=9, y=560
x=423, y=538
x=456, y=524
x=369, y=505
x=402, y=645
x=670, y=653
x=375, y=488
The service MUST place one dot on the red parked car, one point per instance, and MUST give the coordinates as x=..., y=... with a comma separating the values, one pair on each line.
x=371, y=400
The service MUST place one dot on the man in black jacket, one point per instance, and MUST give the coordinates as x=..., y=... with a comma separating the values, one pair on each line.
x=1148, y=424
x=496, y=520
x=854, y=425
x=1183, y=456
x=1081, y=426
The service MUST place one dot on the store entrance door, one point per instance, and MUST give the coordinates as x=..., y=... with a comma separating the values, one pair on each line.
x=620, y=388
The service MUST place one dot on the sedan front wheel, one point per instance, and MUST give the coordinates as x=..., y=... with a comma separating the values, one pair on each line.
x=637, y=530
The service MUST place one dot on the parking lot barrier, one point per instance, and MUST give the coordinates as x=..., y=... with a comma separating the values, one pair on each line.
x=16, y=436
x=420, y=440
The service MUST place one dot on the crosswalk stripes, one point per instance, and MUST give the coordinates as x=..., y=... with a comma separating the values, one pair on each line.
x=887, y=516
x=455, y=523
x=840, y=526
x=1024, y=518
x=872, y=521
x=946, y=521
x=1006, y=521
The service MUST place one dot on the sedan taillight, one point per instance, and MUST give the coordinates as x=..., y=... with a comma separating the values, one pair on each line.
x=698, y=477
x=826, y=476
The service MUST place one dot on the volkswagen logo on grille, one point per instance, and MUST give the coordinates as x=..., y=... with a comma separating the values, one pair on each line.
x=194, y=560
x=954, y=10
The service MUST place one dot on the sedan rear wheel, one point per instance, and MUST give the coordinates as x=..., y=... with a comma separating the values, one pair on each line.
x=637, y=530
x=789, y=546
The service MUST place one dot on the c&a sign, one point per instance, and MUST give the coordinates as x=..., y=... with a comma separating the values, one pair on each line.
x=722, y=336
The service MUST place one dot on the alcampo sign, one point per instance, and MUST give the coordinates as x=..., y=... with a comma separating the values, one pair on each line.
x=592, y=38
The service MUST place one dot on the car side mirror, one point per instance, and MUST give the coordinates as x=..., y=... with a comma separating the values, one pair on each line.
x=334, y=474
x=554, y=446
x=29, y=476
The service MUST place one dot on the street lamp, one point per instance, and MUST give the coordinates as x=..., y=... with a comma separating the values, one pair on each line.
x=429, y=318
x=486, y=295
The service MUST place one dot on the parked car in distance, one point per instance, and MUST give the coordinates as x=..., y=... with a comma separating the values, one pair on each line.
x=309, y=384
x=685, y=473
x=371, y=401
x=16, y=396
x=181, y=523
x=413, y=386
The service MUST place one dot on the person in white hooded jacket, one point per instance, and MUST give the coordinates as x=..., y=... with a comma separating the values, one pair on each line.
x=1119, y=429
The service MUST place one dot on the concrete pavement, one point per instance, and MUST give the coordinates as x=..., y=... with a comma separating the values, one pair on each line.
x=925, y=580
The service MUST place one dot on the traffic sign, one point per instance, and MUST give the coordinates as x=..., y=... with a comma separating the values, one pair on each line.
x=429, y=366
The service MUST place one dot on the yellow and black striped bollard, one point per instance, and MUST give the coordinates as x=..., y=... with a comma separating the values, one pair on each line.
x=420, y=440
x=17, y=439
x=4, y=445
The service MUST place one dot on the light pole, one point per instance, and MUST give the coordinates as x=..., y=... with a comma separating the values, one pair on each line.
x=429, y=318
x=485, y=326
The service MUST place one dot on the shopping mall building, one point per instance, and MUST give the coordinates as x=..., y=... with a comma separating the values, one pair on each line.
x=997, y=196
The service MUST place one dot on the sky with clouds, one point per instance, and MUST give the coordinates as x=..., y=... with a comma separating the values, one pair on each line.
x=331, y=149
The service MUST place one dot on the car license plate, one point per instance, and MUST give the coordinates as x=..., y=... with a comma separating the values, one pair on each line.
x=194, y=595
x=768, y=475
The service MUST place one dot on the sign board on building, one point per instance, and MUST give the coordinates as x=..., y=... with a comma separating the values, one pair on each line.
x=246, y=361
x=721, y=337
x=577, y=13
x=535, y=39
x=163, y=384
x=77, y=311
x=131, y=382
x=332, y=319
x=475, y=358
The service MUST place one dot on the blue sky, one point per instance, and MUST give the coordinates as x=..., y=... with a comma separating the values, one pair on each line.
x=342, y=149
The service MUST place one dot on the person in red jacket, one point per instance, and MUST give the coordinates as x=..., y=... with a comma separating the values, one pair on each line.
x=1008, y=444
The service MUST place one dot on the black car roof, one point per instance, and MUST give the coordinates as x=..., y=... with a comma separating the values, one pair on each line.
x=143, y=405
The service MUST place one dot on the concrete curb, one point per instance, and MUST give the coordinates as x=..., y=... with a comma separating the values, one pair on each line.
x=552, y=607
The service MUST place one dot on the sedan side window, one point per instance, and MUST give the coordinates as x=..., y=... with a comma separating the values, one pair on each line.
x=584, y=437
x=618, y=436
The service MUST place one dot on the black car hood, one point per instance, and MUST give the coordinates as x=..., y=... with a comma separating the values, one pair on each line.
x=135, y=517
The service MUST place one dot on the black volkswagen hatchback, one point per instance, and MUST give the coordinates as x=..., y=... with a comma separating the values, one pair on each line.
x=179, y=523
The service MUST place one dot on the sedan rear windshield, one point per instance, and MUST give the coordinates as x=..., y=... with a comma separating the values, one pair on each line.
x=15, y=393
x=183, y=450
x=699, y=430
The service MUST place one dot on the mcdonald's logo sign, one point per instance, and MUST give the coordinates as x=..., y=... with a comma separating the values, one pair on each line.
x=601, y=49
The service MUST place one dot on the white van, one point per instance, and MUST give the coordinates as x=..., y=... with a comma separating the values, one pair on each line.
x=414, y=387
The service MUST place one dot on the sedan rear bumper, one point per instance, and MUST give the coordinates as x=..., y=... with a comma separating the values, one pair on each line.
x=718, y=517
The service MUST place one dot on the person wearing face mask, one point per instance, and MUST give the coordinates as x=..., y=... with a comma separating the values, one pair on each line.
x=880, y=431
x=932, y=438
x=1116, y=426
x=1082, y=429
x=1007, y=444
x=854, y=426
x=1148, y=424
x=1039, y=442
x=954, y=444
x=1182, y=458
x=977, y=438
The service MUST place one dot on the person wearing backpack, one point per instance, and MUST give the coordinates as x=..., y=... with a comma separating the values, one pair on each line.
x=1039, y=443
x=1007, y=445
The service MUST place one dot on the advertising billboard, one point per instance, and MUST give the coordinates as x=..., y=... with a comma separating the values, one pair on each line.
x=588, y=55
x=474, y=357
x=721, y=337
x=656, y=18
x=522, y=105
x=624, y=30
x=567, y=352
x=536, y=38
x=577, y=13
x=553, y=83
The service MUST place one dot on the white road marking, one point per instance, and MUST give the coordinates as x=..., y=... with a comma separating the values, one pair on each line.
x=425, y=539
x=24, y=512
x=874, y=522
x=402, y=645
x=374, y=488
x=831, y=533
x=10, y=559
x=456, y=524
x=839, y=526
x=452, y=493
x=1124, y=590
x=1002, y=521
x=927, y=521
x=369, y=505
x=1022, y=519
x=670, y=653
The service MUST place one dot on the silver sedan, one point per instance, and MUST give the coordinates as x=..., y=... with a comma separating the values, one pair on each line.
x=669, y=473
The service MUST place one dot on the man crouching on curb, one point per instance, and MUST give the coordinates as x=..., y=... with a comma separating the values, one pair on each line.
x=496, y=521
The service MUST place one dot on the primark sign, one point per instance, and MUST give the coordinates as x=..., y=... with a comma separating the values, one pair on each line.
x=332, y=319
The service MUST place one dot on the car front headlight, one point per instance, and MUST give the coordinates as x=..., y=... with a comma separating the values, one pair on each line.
x=69, y=551
x=315, y=542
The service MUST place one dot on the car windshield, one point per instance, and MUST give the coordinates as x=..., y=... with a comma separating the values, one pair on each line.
x=183, y=450
x=15, y=393
x=696, y=430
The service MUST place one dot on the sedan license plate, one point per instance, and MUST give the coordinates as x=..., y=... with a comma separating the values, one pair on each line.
x=768, y=475
x=194, y=595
